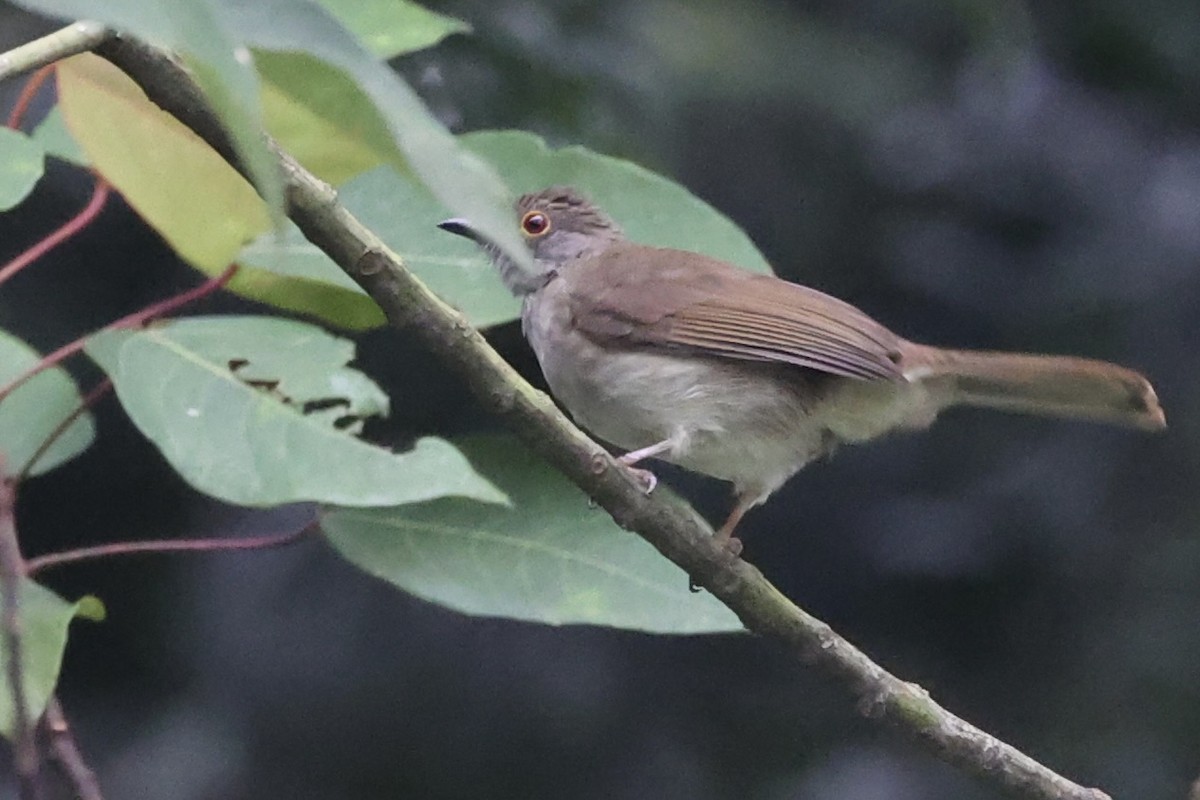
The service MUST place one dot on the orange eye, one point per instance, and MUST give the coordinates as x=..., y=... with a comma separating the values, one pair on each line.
x=535, y=223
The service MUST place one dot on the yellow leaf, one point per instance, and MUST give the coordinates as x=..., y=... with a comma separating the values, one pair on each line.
x=203, y=208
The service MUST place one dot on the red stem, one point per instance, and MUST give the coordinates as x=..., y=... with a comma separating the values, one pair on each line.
x=28, y=92
x=136, y=319
x=89, y=400
x=34, y=565
x=69, y=229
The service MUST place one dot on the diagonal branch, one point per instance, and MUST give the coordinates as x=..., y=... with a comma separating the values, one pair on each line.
x=66, y=753
x=674, y=529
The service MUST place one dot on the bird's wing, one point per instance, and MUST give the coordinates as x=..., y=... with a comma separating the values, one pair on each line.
x=647, y=296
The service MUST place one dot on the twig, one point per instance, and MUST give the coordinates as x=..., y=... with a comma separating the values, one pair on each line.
x=214, y=545
x=66, y=753
x=674, y=530
x=25, y=99
x=134, y=320
x=92, y=397
x=12, y=573
x=56, y=46
x=69, y=228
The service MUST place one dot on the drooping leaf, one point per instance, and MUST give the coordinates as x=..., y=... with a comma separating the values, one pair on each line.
x=21, y=164
x=320, y=116
x=261, y=411
x=44, y=619
x=30, y=414
x=651, y=209
x=199, y=32
x=550, y=558
x=420, y=144
x=393, y=27
x=203, y=208
x=52, y=134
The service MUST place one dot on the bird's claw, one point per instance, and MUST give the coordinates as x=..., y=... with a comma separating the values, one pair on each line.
x=732, y=547
x=645, y=477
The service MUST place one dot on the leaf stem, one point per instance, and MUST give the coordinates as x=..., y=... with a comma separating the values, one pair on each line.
x=210, y=545
x=134, y=320
x=69, y=228
x=28, y=92
x=92, y=397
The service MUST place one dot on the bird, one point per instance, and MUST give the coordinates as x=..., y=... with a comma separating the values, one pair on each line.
x=746, y=377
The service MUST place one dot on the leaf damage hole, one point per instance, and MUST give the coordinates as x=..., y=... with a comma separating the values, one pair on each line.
x=324, y=404
x=347, y=422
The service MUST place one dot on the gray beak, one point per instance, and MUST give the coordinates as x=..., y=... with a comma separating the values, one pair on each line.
x=459, y=227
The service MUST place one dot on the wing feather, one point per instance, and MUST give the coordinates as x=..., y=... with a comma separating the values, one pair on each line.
x=651, y=296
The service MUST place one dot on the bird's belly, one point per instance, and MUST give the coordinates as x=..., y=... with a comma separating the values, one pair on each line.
x=722, y=418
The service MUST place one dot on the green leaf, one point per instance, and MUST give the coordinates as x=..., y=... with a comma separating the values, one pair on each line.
x=550, y=558
x=203, y=208
x=289, y=287
x=652, y=209
x=393, y=27
x=322, y=118
x=21, y=165
x=370, y=95
x=44, y=620
x=30, y=414
x=52, y=134
x=261, y=411
x=200, y=32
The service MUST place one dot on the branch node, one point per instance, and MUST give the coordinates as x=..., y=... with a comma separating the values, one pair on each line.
x=372, y=262
x=504, y=399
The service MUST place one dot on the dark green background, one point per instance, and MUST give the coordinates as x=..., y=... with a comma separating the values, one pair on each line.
x=991, y=174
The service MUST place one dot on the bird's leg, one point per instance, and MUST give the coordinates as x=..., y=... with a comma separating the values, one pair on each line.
x=724, y=535
x=645, y=476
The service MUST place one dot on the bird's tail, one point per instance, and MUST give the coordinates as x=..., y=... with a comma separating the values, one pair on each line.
x=1059, y=386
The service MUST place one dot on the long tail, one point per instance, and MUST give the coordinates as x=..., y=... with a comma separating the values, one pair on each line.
x=1053, y=385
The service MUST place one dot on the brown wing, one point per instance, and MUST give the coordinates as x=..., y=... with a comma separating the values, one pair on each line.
x=653, y=296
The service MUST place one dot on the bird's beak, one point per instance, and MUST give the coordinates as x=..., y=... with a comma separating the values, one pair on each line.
x=459, y=227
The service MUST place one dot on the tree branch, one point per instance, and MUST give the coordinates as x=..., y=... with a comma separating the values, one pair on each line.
x=68, y=41
x=66, y=753
x=26, y=758
x=674, y=529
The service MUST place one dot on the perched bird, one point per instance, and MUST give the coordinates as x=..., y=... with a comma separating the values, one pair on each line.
x=746, y=377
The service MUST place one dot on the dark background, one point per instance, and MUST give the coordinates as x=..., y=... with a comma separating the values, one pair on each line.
x=993, y=174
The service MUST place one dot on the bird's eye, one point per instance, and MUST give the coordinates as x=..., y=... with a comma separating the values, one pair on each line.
x=535, y=223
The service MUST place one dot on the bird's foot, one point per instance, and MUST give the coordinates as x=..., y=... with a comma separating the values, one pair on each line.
x=647, y=479
x=732, y=546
